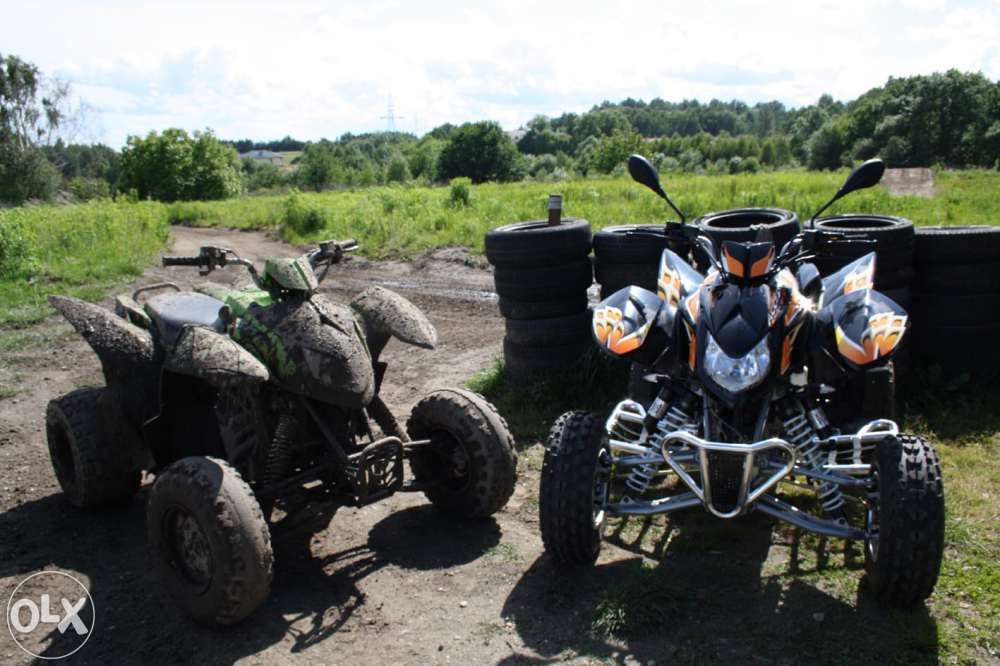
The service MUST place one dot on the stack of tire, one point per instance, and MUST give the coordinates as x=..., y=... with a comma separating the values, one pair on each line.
x=741, y=225
x=542, y=274
x=629, y=255
x=956, y=300
x=893, y=243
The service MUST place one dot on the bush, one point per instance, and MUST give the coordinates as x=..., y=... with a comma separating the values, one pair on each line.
x=175, y=166
x=26, y=175
x=85, y=189
x=302, y=217
x=398, y=170
x=16, y=258
x=460, y=191
x=481, y=151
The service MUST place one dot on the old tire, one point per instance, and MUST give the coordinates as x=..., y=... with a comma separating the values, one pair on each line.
x=613, y=277
x=888, y=232
x=575, y=477
x=472, y=462
x=90, y=469
x=536, y=244
x=981, y=278
x=635, y=244
x=545, y=283
x=208, y=540
x=903, y=561
x=553, y=331
x=525, y=363
x=957, y=245
x=560, y=307
x=735, y=225
x=951, y=309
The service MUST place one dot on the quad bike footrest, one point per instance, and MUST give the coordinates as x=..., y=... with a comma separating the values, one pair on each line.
x=376, y=471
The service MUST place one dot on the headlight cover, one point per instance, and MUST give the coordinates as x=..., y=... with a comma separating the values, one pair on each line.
x=737, y=374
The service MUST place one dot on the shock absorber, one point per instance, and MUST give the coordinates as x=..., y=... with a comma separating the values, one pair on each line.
x=670, y=420
x=803, y=434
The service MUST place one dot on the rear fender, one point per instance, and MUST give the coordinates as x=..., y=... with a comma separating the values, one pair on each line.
x=118, y=343
x=862, y=329
x=386, y=314
x=215, y=358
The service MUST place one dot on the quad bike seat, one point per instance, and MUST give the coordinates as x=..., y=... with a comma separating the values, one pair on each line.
x=171, y=312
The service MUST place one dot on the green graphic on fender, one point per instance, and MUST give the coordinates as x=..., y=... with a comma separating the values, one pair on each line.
x=252, y=403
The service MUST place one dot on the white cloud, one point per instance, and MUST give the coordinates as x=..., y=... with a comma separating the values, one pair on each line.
x=312, y=69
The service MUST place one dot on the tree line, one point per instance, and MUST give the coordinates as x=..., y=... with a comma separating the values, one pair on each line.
x=950, y=119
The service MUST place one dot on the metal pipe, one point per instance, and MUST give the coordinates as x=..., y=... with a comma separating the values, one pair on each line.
x=663, y=505
x=775, y=508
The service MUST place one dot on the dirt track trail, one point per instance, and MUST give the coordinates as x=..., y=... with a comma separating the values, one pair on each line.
x=396, y=581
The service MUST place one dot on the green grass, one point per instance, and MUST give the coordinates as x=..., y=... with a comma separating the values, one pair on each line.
x=82, y=250
x=403, y=221
x=77, y=250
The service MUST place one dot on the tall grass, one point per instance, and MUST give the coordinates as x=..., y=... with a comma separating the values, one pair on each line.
x=402, y=221
x=77, y=250
x=83, y=249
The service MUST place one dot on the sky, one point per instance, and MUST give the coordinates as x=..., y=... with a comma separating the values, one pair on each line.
x=263, y=70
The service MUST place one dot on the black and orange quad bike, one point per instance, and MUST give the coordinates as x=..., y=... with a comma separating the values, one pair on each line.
x=762, y=374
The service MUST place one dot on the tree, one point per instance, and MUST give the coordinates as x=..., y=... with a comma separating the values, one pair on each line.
x=612, y=151
x=28, y=117
x=481, y=151
x=398, y=170
x=176, y=166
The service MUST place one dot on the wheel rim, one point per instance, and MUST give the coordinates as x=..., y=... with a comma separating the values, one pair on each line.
x=602, y=486
x=188, y=547
x=454, y=464
x=62, y=455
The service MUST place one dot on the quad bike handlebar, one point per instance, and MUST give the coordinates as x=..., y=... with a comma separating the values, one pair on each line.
x=210, y=257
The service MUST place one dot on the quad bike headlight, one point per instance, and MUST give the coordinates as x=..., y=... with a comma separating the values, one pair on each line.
x=737, y=374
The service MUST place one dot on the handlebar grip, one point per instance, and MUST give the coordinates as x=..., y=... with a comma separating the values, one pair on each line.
x=182, y=261
x=349, y=244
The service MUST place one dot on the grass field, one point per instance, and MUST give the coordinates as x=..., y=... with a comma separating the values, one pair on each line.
x=78, y=249
x=402, y=221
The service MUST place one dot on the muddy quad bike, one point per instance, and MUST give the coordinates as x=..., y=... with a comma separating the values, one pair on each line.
x=763, y=373
x=248, y=403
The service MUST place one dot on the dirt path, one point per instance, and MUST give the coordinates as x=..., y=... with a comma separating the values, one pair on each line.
x=397, y=582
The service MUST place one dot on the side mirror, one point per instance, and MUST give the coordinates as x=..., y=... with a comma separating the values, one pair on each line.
x=645, y=173
x=809, y=279
x=866, y=175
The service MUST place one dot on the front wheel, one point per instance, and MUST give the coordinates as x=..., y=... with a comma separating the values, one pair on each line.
x=905, y=522
x=576, y=477
x=471, y=465
x=208, y=540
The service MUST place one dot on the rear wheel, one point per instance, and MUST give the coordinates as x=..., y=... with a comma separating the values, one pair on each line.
x=471, y=465
x=209, y=541
x=905, y=522
x=90, y=469
x=576, y=477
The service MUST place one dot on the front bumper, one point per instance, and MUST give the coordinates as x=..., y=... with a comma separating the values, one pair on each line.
x=764, y=464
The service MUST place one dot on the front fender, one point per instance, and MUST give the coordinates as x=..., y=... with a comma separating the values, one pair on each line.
x=215, y=358
x=384, y=313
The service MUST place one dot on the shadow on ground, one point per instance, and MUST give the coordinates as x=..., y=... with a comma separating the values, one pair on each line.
x=704, y=592
x=312, y=596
